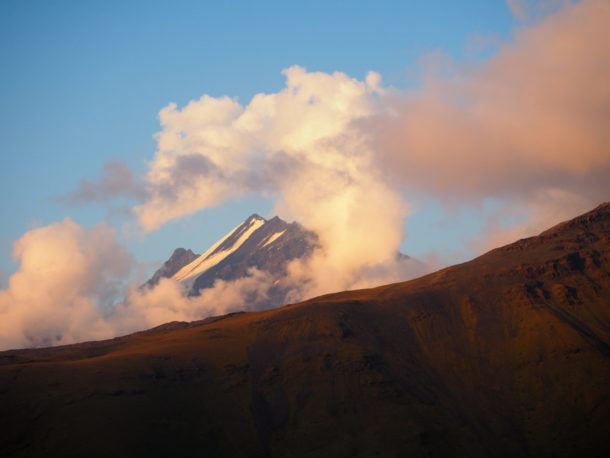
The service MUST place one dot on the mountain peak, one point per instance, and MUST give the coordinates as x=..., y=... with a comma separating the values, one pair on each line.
x=255, y=217
x=179, y=258
x=266, y=245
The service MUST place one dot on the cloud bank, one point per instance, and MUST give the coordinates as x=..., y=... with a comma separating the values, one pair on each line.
x=67, y=276
x=529, y=125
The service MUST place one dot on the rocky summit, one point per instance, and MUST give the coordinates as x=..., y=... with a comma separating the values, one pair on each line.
x=179, y=258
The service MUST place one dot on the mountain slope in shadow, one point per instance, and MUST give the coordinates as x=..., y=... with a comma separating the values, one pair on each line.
x=505, y=355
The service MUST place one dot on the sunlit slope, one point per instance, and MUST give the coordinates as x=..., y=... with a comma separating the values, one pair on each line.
x=506, y=355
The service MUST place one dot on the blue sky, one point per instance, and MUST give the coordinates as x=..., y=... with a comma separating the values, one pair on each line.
x=83, y=83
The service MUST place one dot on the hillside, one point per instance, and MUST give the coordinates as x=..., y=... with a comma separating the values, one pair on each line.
x=506, y=355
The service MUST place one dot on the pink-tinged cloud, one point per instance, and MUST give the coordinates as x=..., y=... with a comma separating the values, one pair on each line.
x=529, y=126
x=67, y=275
x=533, y=117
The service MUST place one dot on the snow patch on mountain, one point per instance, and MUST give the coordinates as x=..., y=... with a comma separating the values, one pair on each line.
x=213, y=256
x=273, y=238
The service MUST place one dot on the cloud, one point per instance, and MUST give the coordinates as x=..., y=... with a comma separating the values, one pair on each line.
x=215, y=149
x=528, y=126
x=167, y=301
x=296, y=145
x=116, y=180
x=67, y=275
x=532, y=10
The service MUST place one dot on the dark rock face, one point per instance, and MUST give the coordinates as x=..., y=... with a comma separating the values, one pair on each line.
x=503, y=356
x=179, y=258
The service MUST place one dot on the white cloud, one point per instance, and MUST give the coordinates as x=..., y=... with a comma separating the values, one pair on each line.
x=297, y=144
x=66, y=276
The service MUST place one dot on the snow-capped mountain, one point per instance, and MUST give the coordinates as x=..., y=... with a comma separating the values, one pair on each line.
x=267, y=245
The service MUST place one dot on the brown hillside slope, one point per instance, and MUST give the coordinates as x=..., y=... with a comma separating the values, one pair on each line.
x=506, y=355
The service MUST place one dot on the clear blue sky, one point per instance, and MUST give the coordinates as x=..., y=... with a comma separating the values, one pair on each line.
x=82, y=82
